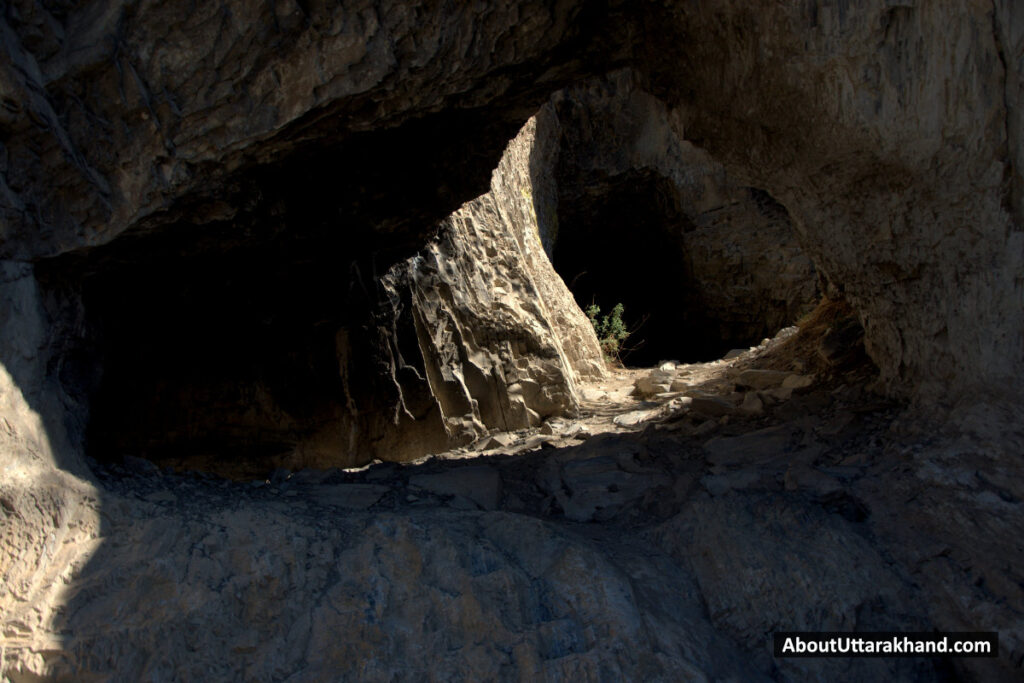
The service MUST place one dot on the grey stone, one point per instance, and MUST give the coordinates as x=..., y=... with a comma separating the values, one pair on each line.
x=710, y=405
x=348, y=496
x=635, y=417
x=761, y=379
x=797, y=381
x=502, y=440
x=478, y=483
x=756, y=447
x=679, y=385
x=752, y=404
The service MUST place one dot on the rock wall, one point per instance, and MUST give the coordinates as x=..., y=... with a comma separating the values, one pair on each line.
x=240, y=357
x=115, y=112
x=889, y=132
x=153, y=123
x=502, y=343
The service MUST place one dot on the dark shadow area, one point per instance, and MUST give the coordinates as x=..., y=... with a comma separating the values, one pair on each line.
x=620, y=241
x=249, y=326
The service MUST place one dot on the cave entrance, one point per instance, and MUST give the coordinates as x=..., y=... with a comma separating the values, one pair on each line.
x=694, y=282
x=620, y=240
x=241, y=328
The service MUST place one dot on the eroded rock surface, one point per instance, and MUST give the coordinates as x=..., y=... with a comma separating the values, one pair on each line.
x=890, y=134
x=502, y=343
x=632, y=553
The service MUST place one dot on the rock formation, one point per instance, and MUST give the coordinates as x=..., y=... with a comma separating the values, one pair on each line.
x=889, y=132
x=195, y=199
x=502, y=344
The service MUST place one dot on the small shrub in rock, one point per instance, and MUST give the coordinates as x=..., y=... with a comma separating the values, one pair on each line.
x=611, y=330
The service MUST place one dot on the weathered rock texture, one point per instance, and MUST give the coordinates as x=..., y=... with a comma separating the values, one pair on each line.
x=625, y=557
x=641, y=216
x=315, y=135
x=252, y=357
x=890, y=132
x=113, y=112
x=501, y=342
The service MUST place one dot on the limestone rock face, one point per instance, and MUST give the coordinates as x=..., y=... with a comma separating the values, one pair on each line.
x=899, y=171
x=115, y=111
x=892, y=135
x=502, y=342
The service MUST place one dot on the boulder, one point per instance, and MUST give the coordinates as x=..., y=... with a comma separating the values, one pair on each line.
x=761, y=379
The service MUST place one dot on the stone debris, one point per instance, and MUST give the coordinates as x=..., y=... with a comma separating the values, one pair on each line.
x=658, y=381
x=752, y=404
x=761, y=379
x=798, y=382
x=710, y=405
x=679, y=384
x=500, y=440
x=635, y=417
x=593, y=394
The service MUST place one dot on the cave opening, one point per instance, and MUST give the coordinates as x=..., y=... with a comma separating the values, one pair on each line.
x=629, y=239
x=240, y=330
x=222, y=359
x=616, y=244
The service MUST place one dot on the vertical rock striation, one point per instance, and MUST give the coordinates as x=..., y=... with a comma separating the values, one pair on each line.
x=503, y=345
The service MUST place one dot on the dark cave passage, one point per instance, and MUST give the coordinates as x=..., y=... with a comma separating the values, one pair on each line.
x=221, y=360
x=615, y=245
x=622, y=239
x=243, y=331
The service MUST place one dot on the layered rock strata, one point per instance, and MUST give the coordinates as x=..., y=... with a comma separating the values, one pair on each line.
x=502, y=343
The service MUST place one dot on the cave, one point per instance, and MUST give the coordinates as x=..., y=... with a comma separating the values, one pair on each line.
x=619, y=243
x=629, y=238
x=240, y=329
x=702, y=261
x=220, y=254
x=208, y=356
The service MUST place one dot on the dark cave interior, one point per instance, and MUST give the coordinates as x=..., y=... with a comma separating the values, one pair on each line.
x=239, y=324
x=242, y=324
x=620, y=240
x=215, y=354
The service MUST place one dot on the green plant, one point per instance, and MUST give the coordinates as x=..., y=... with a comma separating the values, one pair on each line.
x=611, y=330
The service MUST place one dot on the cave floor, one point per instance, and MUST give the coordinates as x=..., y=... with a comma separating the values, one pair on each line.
x=655, y=536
